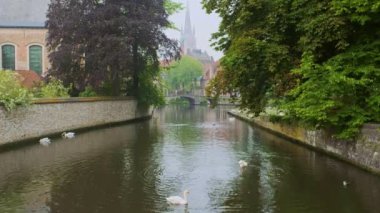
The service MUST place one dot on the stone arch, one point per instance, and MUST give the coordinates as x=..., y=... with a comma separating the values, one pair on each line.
x=188, y=98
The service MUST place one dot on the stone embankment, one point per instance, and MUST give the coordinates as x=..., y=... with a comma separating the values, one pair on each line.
x=363, y=152
x=53, y=116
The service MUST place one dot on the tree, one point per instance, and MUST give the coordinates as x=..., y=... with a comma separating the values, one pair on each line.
x=306, y=57
x=183, y=74
x=257, y=38
x=220, y=85
x=109, y=43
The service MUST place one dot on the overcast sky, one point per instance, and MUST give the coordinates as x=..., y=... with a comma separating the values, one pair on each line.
x=33, y=14
x=23, y=12
x=204, y=24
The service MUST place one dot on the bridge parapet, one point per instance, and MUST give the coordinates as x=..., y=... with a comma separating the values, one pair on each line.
x=199, y=100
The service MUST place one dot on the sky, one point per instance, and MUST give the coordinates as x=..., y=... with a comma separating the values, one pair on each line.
x=23, y=12
x=204, y=23
x=34, y=11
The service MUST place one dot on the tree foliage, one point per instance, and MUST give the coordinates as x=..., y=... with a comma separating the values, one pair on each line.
x=340, y=94
x=183, y=75
x=316, y=59
x=220, y=85
x=109, y=42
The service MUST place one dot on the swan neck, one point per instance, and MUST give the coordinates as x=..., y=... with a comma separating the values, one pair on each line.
x=185, y=196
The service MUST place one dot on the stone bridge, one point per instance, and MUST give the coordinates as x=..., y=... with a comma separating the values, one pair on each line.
x=192, y=99
x=198, y=100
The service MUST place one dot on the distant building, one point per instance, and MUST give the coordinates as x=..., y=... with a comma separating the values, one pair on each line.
x=189, y=47
x=188, y=40
x=23, y=35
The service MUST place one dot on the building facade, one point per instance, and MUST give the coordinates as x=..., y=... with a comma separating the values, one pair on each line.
x=23, y=35
x=23, y=48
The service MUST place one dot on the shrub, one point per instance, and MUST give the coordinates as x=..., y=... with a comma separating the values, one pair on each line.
x=12, y=94
x=53, y=89
x=203, y=103
x=88, y=92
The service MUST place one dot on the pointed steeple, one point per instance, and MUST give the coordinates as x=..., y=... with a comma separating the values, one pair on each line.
x=188, y=20
x=188, y=41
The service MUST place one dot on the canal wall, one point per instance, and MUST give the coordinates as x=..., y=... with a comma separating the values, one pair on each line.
x=363, y=152
x=52, y=116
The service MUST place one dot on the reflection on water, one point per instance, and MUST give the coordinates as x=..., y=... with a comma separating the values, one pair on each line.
x=133, y=168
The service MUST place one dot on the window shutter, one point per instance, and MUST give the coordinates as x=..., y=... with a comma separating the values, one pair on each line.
x=8, y=57
x=35, y=58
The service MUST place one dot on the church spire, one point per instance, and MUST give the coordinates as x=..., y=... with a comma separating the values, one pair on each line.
x=188, y=20
x=188, y=41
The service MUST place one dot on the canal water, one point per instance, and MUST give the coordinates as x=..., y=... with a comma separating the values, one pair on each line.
x=134, y=167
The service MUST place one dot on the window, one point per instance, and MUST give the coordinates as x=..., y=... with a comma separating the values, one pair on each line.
x=35, y=58
x=8, y=57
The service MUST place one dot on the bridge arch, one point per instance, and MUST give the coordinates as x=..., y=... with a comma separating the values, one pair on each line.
x=189, y=98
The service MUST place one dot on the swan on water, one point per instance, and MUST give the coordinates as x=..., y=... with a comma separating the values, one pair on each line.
x=178, y=200
x=231, y=119
x=68, y=135
x=45, y=141
x=242, y=163
x=345, y=183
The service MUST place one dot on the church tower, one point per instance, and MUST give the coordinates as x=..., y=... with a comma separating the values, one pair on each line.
x=188, y=41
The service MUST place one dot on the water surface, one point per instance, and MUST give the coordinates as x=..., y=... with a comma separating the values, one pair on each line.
x=134, y=167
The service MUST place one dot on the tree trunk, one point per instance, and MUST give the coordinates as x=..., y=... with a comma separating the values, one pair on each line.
x=135, y=69
x=115, y=83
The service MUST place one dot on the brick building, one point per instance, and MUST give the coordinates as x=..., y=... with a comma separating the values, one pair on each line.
x=23, y=35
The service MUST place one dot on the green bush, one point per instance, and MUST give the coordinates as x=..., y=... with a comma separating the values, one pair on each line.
x=53, y=89
x=203, y=103
x=105, y=89
x=12, y=94
x=88, y=92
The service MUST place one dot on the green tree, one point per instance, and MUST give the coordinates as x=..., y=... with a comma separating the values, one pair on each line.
x=182, y=76
x=258, y=39
x=307, y=57
x=220, y=85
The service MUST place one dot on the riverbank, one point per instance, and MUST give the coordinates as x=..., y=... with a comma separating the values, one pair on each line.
x=47, y=117
x=364, y=152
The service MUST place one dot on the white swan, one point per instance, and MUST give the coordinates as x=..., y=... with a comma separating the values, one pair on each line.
x=68, y=135
x=177, y=200
x=45, y=141
x=231, y=119
x=345, y=183
x=242, y=163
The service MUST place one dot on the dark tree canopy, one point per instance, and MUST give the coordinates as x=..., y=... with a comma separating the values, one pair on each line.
x=109, y=43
